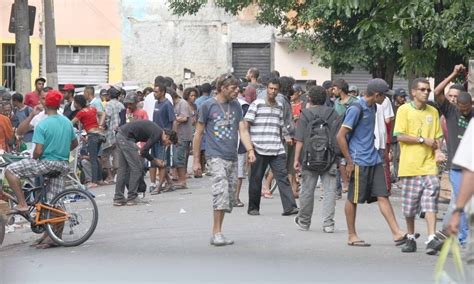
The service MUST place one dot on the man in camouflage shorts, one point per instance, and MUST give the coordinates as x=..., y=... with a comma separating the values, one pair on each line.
x=220, y=122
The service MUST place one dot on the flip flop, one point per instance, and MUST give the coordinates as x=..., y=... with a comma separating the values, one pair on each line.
x=359, y=243
x=404, y=239
x=180, y=186
x=46, y=246
x=155, y=192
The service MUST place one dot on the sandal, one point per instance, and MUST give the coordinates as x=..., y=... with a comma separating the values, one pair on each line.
x=155, y=192
x=180, y=186
x=359, y=243
x=239, y=203
x=91, y=185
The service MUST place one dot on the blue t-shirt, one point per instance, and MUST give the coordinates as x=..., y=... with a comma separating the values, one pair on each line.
x=361, y=142
x=55, y=133
x=164, y=115
x=221, y=128
x=199, y=101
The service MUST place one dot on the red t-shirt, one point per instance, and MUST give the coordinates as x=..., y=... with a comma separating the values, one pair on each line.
x=32, y=99
x=88, y=117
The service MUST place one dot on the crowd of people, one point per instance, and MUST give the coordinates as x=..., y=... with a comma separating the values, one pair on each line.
x=266, y=128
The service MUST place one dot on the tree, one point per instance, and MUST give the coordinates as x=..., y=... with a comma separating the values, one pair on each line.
x=385, y=37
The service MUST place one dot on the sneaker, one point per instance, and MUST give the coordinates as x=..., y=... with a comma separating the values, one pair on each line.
x=433, y=246
x=219, y=240
x=135, y=201
x=120, y=203
x=254, y=212
x=293, y=211
x=301, y=226
x=328, y=229
x=409, y=246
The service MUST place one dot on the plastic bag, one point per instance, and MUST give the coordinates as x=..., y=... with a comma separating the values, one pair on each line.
x=441, y=276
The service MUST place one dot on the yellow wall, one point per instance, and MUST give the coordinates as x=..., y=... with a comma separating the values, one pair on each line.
x=115, y=55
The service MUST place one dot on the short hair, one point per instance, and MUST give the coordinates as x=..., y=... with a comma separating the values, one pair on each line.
x=89, y=89
x=17, y=97
x=148, y=90
x=464, y=98
x=40, y=79
x=161, y=86
x=274, y=81
x=458, y=87
x=286, y=85
x=187, y=93
x=172, y=134
x=275, y=74
x=310, y=83
x=417, y=81
x=317, y=95
x=206, y=88
x=159, y=79
x=264, y=79
x=341, y=84
x=254, y=72
x=226, y=80
x=80, y=100
x=168, y=81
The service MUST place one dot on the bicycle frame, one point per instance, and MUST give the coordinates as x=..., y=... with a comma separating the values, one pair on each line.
x=63, y=216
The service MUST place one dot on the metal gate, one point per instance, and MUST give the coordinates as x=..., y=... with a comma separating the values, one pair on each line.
x=8, y=66
x=248, y=55
x=82, y=65
x=360, y=77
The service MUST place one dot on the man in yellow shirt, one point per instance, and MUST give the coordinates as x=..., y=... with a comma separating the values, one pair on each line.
x=419, y=133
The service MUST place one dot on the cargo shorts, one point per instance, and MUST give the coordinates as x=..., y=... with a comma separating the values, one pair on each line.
x=224, y=183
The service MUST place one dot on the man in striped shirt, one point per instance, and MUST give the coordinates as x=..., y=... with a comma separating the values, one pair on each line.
x=266, y=126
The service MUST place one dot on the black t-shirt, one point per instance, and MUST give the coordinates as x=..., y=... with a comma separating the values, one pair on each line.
x=457, y=124
x=242, y=150
x=143, y=131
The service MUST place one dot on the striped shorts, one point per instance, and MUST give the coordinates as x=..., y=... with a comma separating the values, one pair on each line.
x=29, y=168
x=419, y=193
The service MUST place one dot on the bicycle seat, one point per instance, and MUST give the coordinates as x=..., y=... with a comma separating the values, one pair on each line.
x=53, y=174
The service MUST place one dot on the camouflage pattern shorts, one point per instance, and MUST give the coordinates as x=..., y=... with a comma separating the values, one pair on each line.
x=224, y=183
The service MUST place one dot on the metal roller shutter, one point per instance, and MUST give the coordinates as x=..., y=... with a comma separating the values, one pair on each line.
x=248, y=55
x=360, y=77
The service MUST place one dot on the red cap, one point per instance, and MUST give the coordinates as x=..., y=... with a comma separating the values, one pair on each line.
x=53, y=98
x=68, y=87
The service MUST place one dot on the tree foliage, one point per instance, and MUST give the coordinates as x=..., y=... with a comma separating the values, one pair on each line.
x=408, y=37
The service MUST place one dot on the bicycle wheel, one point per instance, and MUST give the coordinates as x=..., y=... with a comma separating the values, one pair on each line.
x=82, y=218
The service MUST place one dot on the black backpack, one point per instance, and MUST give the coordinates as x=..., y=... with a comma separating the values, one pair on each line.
x=319, y=150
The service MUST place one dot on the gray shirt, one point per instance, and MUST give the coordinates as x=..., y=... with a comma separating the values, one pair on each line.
x=184, y=129
x=221, y=128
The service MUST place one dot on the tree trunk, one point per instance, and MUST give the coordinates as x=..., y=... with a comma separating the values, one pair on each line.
x=22, y=47
x=50, y=45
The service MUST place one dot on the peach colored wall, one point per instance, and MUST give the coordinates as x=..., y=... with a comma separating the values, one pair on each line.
x=74, y=19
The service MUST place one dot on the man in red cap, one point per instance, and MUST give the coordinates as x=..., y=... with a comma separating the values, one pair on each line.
x=51, y=153
x=68, y=110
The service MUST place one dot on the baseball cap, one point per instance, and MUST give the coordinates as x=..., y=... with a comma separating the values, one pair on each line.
x=53, y=98
x=378, y=85
x=400, y=92
x=68, y=87
x=327, y=84
x=353, y=88
x=297, y=88
x=130, y=98
x=113, y=93
x=103, y=92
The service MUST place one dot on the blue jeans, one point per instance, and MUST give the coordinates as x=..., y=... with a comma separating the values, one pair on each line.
x=93, y=146
x=455, y=177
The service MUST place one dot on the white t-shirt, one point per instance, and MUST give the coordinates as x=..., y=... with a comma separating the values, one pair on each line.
x=149, y=104
x=37, y=119
x=384, y=111
x=465, y=153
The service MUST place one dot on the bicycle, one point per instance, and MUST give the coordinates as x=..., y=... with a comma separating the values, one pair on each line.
x=69, y=219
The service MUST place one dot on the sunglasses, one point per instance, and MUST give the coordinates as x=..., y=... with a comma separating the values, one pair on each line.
x=424, y=90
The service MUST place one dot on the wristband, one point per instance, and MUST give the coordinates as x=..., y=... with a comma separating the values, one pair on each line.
x=458, y=210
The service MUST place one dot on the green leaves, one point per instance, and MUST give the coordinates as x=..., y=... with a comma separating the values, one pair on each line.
x=343, y=33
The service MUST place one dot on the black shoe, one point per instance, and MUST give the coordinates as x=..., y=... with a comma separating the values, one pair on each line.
x=434, y=246
x=253, y=212
x=293, y=211
x=409, y=246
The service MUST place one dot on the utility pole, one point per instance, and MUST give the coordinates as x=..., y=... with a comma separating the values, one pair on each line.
x=50, y=44
x=22, y=47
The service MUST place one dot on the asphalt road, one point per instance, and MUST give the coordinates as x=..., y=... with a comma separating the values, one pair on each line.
x=168, y=241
